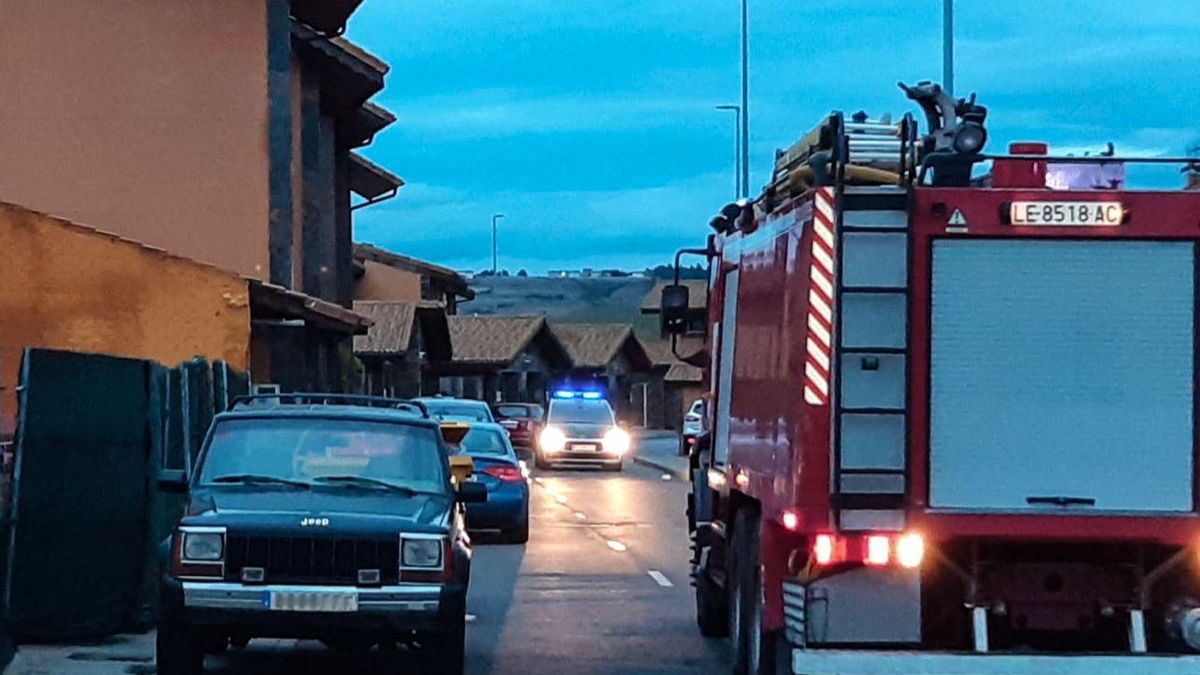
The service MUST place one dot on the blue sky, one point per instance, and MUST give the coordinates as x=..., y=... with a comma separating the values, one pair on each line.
x=591, y=123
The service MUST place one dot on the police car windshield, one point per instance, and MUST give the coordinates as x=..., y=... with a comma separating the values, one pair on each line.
x=304, y=450
x=580, y=411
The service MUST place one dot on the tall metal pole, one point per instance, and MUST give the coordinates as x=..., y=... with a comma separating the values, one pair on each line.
x=737, y=148
x=745, y=111
x=495, y=218
x=948, y=46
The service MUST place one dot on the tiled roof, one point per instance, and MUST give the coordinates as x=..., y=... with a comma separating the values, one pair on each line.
x=595, y=345
x=492, y=339
x=697, y=294
x=678, y=371
x=392, y=331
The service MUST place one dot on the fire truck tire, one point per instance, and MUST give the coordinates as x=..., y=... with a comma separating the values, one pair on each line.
x=757, y=650
x=712, y=607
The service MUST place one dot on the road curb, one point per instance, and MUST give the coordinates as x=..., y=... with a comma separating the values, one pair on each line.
x=677, y=473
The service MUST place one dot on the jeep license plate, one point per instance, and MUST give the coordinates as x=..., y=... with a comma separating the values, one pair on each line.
x=311, y=601
x=585, y=447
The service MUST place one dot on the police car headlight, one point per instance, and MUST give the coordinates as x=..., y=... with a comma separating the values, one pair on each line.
x=206, y=546
x=616, y=441
x=552, y=439
x=421, y=553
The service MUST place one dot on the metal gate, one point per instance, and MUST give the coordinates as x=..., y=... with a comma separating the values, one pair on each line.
x=78, y=518
x=86, y=518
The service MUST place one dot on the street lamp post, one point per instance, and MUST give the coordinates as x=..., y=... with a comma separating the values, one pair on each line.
x=495, y=219
x=745, y=112
x=948, y=46
x=737, y=148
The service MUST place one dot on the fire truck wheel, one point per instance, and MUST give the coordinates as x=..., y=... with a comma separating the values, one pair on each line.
x=755, y=651
x=712, y=607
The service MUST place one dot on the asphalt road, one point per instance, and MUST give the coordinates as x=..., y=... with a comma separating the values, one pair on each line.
x=601, y=588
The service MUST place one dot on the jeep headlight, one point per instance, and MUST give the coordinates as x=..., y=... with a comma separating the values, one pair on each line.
x=424, y=553
x=205, y=546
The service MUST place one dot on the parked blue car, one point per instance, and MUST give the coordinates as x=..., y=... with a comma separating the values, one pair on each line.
x=497, y=467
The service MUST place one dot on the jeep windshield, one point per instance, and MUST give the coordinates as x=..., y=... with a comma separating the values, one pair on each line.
x=332, y=453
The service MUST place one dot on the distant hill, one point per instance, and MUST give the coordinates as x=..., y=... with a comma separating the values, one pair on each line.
x=566, y=300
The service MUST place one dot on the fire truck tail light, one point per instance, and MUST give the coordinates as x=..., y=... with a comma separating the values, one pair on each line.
x=910, y=550
x=824, y=548
x=878, y=550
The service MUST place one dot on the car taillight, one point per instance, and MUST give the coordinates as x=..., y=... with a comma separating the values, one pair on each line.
x=509, y=474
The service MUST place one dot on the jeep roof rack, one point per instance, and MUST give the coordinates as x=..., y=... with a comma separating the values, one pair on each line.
x=317, y=399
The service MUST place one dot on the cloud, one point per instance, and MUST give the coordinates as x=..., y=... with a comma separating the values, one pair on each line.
x=491, y=113
x=591, y=122
x=543, y=230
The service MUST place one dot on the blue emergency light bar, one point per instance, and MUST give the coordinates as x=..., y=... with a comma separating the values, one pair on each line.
x=568, y=393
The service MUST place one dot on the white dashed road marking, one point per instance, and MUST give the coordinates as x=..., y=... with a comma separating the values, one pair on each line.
x=561, y=499
x=580, y=515
x=616, y=545
x=666, y=476
x=660, y=578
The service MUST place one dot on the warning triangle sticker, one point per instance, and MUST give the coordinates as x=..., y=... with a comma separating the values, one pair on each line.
x=957, y=218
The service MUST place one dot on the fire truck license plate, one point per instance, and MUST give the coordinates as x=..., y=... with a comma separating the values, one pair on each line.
x=1067, y=214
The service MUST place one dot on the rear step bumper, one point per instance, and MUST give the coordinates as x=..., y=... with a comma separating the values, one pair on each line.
x=852, y=662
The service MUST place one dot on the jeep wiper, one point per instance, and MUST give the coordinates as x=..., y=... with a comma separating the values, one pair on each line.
x=258, y=479
x=361, y=481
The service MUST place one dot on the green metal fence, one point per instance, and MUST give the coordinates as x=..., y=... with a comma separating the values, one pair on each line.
x=86, y=517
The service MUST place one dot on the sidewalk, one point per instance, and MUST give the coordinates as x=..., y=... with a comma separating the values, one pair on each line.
x=659, y=449
x=117, y=655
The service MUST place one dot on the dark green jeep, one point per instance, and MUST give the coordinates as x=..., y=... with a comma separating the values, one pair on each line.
x=320, y=517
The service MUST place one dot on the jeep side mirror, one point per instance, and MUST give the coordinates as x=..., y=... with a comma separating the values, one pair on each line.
x=461, y=468
x=674, y=309
x=472, y=493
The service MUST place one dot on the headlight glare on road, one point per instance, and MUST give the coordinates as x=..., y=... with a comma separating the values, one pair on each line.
x=553, y=439
x=616, y=441
x=206, y=546
x=425, y=553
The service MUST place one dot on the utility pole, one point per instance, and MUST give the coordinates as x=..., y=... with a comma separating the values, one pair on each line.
x=948, y=46
x=737, y=148
x=745, y=112
x=495, y=218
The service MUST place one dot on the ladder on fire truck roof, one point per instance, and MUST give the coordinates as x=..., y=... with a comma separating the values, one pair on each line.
x=869, y=163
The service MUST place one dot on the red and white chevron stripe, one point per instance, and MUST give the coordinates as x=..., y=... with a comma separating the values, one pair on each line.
x=817, y=367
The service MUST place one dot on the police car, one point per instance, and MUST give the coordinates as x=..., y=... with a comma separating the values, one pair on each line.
x=581, y=431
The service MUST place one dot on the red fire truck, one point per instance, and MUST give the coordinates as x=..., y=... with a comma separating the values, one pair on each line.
x=953, y=420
